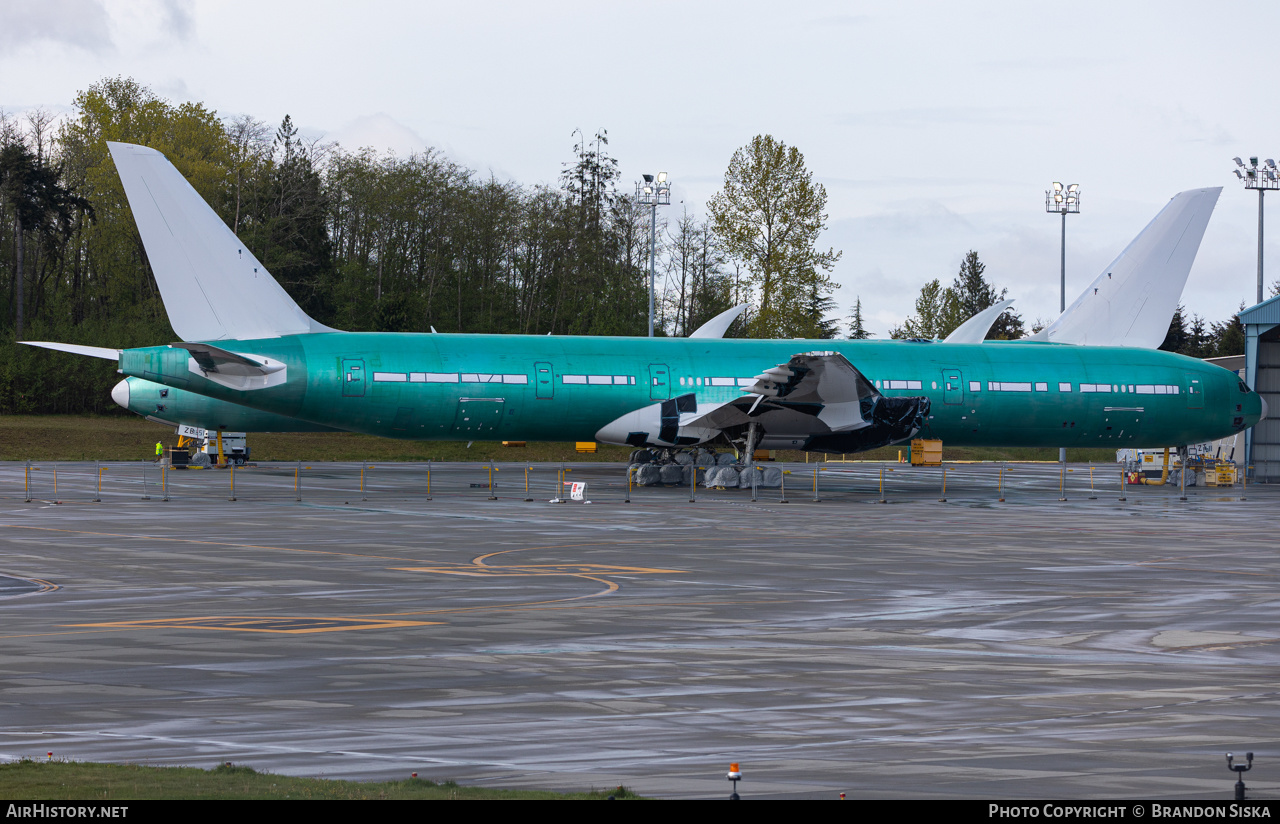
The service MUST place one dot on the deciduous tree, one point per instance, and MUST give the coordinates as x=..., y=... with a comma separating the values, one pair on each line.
x=769, y=215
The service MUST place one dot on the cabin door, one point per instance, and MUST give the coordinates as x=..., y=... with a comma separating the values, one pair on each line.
x=952, y=388
x=353, y=378
x=659, y=382
x=544, y=378
x=1195, y=392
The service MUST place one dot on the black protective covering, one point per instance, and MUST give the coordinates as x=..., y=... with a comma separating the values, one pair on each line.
x=892, y=420
x=821, y=401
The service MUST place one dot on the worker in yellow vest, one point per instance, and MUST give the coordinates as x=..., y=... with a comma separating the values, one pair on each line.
x=159, y=450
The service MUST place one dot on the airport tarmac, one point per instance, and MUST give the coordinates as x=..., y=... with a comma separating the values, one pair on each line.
x=1035, y=648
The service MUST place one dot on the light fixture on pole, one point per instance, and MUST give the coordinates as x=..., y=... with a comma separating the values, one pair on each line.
x=1261, y=178
x=653, y=193
x=1064, y=201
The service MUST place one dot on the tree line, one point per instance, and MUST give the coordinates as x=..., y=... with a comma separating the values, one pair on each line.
x=370, y=241
x=376, y=242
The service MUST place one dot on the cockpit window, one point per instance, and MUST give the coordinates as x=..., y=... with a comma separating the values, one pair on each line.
x=1242, y=386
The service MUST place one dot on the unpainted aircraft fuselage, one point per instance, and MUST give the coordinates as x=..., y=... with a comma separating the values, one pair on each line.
x=487, y=387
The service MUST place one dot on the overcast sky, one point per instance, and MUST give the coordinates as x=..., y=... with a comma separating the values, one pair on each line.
x=935, y=127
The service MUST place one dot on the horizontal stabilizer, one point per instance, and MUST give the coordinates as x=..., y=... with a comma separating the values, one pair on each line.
x=717, y=326
x=232, y=369
x=213, y=287
x=1133, y=300
x=975, y=329
x=75, y=348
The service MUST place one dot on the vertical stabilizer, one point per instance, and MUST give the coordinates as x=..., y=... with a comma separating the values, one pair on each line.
x=1133, y=300
x=213, y=287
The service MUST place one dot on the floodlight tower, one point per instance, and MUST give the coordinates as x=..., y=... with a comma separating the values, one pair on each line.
x=653, y=193
x=1064, y=202
x=1261, y=178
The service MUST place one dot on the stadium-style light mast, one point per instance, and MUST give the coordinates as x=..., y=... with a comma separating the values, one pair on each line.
x=1261, y=178
x=1064, y=202
x=653, y=193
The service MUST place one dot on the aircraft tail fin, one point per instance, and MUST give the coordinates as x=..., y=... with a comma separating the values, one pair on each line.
x=1133, y=300
x=213, y=287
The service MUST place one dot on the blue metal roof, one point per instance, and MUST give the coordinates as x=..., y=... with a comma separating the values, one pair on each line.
x=1266, y=312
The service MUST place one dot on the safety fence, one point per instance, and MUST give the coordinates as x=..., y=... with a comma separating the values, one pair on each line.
x=350, y=483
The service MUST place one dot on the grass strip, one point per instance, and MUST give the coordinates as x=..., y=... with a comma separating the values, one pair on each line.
x=33, y=780
x=121, y=438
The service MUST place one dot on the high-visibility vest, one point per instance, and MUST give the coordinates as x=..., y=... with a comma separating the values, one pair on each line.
x=159, y=448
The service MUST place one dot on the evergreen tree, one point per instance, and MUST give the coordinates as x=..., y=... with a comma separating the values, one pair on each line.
x=973, y=294
x=287, y=229
x=1229, y=336
x=817, y=306
x=1198, y=339
x=857, y=329
x=1177, y=338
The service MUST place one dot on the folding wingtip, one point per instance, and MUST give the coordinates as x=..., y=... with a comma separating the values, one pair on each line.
x=974, y=330
x=717, y=326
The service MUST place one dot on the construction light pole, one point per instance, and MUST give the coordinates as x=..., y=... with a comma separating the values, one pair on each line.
x=1063, y=201
x=1261, y=178
x=653, y=193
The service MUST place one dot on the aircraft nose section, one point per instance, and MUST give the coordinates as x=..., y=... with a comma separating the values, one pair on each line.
x=120, y=393
x=1263, y=415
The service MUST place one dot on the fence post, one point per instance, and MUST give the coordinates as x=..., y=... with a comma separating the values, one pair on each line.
x=1182, y=477
x=1062, y=481
x=164, y=481
x=26, y=483
x=693, y=487
x=783, y=499
x=1244, y=481
x=626, y=500
x=97, y=470
x=754, y=477
x=1122, y=483
x=527, y=498
x=1000, y=486
x=492, y=497
x=233, y=481
x=428, y=479
x=1093, y=493
x=882, y=500
x=943, y=499
x=143, y=466
x=363, y=495
x=816, y=499
x=297, y=482
x=55, y=484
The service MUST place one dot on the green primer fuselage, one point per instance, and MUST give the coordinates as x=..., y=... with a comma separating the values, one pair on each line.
x=516, y=387
x=165, y=404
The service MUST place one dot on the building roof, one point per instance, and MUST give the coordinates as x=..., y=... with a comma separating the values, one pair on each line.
x=1266, y=312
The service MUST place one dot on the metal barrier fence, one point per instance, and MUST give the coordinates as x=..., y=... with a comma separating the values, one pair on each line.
x=350, y=483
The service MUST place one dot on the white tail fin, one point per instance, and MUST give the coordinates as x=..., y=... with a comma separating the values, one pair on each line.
x=213, y=287
x=1133, y=300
